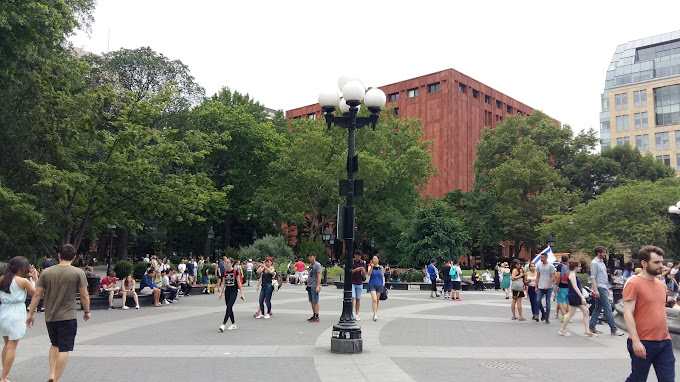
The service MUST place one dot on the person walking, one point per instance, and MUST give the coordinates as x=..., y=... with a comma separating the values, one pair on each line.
x=530, y=281
x=433, y=275
x=497, y=277
x=358, y=274
x=13, y=290
x=456, y=280
x=544, y=283
x=299, y=270
x=314, y=285
x=517, y=287
x=266, y=272
x=562, y=277
x=446, y=278
x=600, y=281
x=231, y=285
x=576, y=300
x=59, y=285
x=644, y=311
x=249, y=269
x=505, y=279
x=376, y=284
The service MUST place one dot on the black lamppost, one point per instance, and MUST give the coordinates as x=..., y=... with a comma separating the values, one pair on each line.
x=211, y=235
x=550, y=241
x=328, y=240
x=372, y=246
x=254, y=236
x=109, y=253
x=346, y=334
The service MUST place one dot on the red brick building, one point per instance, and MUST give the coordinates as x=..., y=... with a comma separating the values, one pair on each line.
x=454, y=109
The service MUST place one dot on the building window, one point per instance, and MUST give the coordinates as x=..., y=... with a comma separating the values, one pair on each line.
x=641, y=120
x=621, y=101
x=604, y=126
x=620, y=141
x=487, y=99
x=412, y=93
x=642, y=142
x=640, y=98
x=311, y=116
x=677, y=139
x=622, y=122
x=475, y=93
x=498, y=104
x=462, y=88
x=298, y=117
x=667, y=105
x=666, y=159
x=395, y=111
x=431, y=88
x=677, y=160
x=509, y=109
x=393, y=97
x=662, y=140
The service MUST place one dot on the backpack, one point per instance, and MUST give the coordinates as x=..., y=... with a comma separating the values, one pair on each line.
x=565, y=274
x=453, y=272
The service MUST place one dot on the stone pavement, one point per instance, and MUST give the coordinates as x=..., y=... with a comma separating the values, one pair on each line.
x=415, y=339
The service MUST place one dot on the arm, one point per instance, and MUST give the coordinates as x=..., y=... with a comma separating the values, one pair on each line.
x=538, y=279
x=318, y=281
x=84, y=302
x=593, y=274
x=558, y=276
x=383, y=276
x=26, y=285
x=240, y=287
x=638, y=347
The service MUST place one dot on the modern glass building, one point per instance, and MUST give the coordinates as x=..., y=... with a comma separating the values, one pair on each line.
x=641, y=99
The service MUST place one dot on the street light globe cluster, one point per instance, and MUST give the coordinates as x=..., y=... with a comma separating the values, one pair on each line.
x=353, y=92
x=674, y=212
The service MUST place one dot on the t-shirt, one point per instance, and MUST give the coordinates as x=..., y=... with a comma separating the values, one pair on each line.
x=314, y=269
x=445, y=273
x=190, y=268
x=357, y=277
x=299, y=266
x=230, y=279
x=181, y=268
x=432, y=271
x=249, y=267
x=108, y=281
x=61, y=283
x=47, y=263
x=546, y=272
x=457, y=278
x=650, y=307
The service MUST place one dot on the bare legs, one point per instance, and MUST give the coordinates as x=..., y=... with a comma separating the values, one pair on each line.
x=156, y=297
x=8, y=353
x=58, y=361
x=357, y=304
x=134, y=297
x=375, y=299
x=506, y=293
x=570, y=314
x=516, y=302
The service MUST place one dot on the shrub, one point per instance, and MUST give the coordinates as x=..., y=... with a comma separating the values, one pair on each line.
x=139, y=269
x=413, y=276
x=122, y=269
x=275, y=246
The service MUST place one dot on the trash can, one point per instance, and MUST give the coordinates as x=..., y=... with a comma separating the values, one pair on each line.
x=617, y=294
x=93, y=285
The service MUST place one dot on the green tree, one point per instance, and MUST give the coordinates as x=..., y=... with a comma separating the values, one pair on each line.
x=274, y=246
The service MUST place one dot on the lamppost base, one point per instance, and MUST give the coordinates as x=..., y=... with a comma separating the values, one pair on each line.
x=346, y=339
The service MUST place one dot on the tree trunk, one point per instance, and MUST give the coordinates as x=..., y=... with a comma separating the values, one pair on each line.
x=102, y=245
x=168, y=244
x=228, y=220
x=206, y=247
x=122, y=243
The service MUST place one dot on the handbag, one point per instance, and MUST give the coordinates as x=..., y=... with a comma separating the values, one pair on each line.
x=383, y=295
x=517, y=285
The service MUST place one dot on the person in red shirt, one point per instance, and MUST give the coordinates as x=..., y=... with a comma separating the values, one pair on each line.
x=644, y=310
x=300, y=270
x=109, y=287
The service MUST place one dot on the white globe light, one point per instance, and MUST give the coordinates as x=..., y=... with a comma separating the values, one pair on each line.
x=344, y=107
x=673, y=210
x=354, y=91
x=678, y=204
x=329, y=98
x=375, y=98
x=343, y=80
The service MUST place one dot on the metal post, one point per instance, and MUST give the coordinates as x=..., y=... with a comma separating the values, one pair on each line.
x=108, y=255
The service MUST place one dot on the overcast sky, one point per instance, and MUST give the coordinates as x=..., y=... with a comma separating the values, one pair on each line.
x=283, y=53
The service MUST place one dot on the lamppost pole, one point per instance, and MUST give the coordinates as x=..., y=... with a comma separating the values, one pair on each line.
x=346, y=334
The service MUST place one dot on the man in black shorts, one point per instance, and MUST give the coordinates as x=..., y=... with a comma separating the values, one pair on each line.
x=59, y=285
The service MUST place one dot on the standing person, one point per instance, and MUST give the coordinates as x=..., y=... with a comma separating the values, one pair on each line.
x=191, y=269
x=127, y=288
x=230, y=288
x=201, y=265
x=628, y=270
x=266, y=272
x=517, y=286
x=47, y=262
x=497, y=277
x=456, y=273
x=299, y=270
x=505, y=279
x=358, y=274
x=446, y=278
x=376, y=284
x=544, y=283
x=644, y=311
x=576, y=300
x=600, y=281
x=314, y=285
x=109, y=288
x=13, y=290
x=530, y=280
x=434, y=275
x=249, y=268
x=221, y=268
x=59, y=285
x=182, y=266
x=562, y=274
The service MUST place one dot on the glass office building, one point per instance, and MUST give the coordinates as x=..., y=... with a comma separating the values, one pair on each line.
x=641, y=98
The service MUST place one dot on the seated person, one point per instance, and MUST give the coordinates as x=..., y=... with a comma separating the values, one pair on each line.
x=671, y=303
x=109, y=287
x=169, y=286
x=486, y=277
x=127, y=288
x=90, y=274
x=184, y=284
x=395, y=276
x=147, y=287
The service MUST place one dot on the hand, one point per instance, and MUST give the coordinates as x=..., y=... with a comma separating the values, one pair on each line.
x=596, y=293
x=317, y=289
x=86, y=316
x=219, y=297
x=558, y=289
x=29, y=321
x=583, y=301
x=639, y=349
x=536, y=289
x=257, y=289
x=242, y=298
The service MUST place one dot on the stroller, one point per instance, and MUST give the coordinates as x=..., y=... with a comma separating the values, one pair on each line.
x=590, y=301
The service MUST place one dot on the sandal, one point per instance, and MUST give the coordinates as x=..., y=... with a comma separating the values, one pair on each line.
x=564, y=333
x=591, y=334
x=522, y=319
x=514, y=318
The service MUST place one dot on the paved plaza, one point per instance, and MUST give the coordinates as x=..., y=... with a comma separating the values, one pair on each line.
x=415, y=339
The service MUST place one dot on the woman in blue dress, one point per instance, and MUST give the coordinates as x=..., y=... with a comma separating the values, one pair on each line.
x=576, y=301
x=376, y=283
x=505, y=279
x=13, y=289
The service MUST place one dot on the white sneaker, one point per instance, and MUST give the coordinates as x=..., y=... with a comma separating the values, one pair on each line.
x=137, y=307
x=221, y=328
x=232, y=327
x=166, y=302
x=267, y=315
x=259, y=316
x=356, y=317
x=126, y=307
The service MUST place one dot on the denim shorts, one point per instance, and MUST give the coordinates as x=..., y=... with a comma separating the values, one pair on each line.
x=312, y=294
x=356, y=291
x=376, y=288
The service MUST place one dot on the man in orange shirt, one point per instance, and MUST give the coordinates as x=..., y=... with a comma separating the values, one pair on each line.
x=644, y=309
